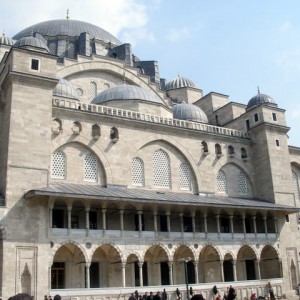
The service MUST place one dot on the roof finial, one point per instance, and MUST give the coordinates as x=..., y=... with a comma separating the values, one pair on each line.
x=124, y=78
x=68, y=14
x=258, y=91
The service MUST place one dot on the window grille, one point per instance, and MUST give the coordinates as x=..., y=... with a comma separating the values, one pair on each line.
x=137, y=171
x=161, y=169
x=90, y=168
x=242, y=184
x=221, y=182
x=296, y=186
x=52, y=48
x=185, y=180
x=58, y=168
x=93, y=90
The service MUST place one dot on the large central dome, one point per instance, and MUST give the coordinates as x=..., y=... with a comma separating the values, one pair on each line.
x=68, y=28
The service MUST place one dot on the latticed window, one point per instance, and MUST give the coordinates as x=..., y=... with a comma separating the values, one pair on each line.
x=296, y=186
x=52, y=48
x=242, y=184
x=137, y=170
x=161, y=169
x=58, y=167
x=221, y=182
x=185, y=179
x=93, y=90
x=90, y=168
x=71, y=50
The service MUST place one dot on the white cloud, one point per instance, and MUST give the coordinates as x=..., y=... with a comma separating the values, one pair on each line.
x=113, y=16
x=286, y=26
x=175, y=35
x=288, y=61
x=296, y=113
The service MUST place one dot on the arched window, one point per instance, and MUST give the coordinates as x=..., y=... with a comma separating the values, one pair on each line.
x=58, y=166
x=204, y=147
x=96, y=131
x=106, y=86
x=90, y=168
x=185, y=179
x=218, y=150
x=71, y=50
x=221, y=182
x=137, y=172
x=114, y=134
x=230, y=150
x=242, y=184
x=296, y=185
x=93, y=90
x=244, y=153
x=161, y=169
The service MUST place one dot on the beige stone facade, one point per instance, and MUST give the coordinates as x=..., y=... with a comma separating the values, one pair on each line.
x=104, y=190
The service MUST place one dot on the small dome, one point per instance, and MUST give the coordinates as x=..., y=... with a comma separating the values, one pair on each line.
x=178, y=83
x=65, y=89
x=5, y=40
x=189, y=112
x=32, y=42
x=125, y=92
x=260, y=99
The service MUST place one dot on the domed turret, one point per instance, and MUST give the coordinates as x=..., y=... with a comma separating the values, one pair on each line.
x=178, y=83
x=189, y=112
x=5, y=40
x=31, y=41
x=125, y=92
x=65, y=89
x=261, y=99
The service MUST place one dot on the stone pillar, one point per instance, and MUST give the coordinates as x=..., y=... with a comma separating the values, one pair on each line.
x=141, y=273
x=170, y=264
x=276, y=226
x=155, y=223
x=205, y=223
x=122, y=221
x=234, y=270
x=69, y=219
x=258, y=269
x=222, y=270
x=181, y=224
x=231, y=226
x=266, y=226
x=87, y=220
x=87, y=268
x=103, y=220
x=49, y=276
x=168, y=224
x=218, y=225
x=140, y=222
x=244, y=225
x=196, y=271
x=254, y=225
x=123, y=265
x=193, y=224
x=50, y=217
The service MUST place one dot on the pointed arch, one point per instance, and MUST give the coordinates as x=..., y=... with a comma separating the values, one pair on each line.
x=161, y=169
x=58, y=164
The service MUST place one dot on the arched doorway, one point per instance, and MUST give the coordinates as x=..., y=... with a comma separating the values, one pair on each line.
x=269, y=263
x=246, y=267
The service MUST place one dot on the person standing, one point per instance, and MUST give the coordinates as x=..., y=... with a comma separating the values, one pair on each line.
x=231, y=293
x=271, y=291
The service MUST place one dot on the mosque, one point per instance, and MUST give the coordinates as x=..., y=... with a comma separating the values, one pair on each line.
x=113, y=179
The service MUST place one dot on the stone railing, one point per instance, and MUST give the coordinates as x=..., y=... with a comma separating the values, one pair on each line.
x=133, y=115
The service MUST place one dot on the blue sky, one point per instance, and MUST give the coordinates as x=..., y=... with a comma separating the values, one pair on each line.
x=226, y=46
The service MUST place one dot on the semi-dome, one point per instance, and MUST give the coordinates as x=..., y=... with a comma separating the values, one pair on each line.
x=72, y=28
x=125, y=92
x=178, y=83
x=31, y=41
x=189, y=112
x=260, y=99
x=65, y=89
x=5, y=40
